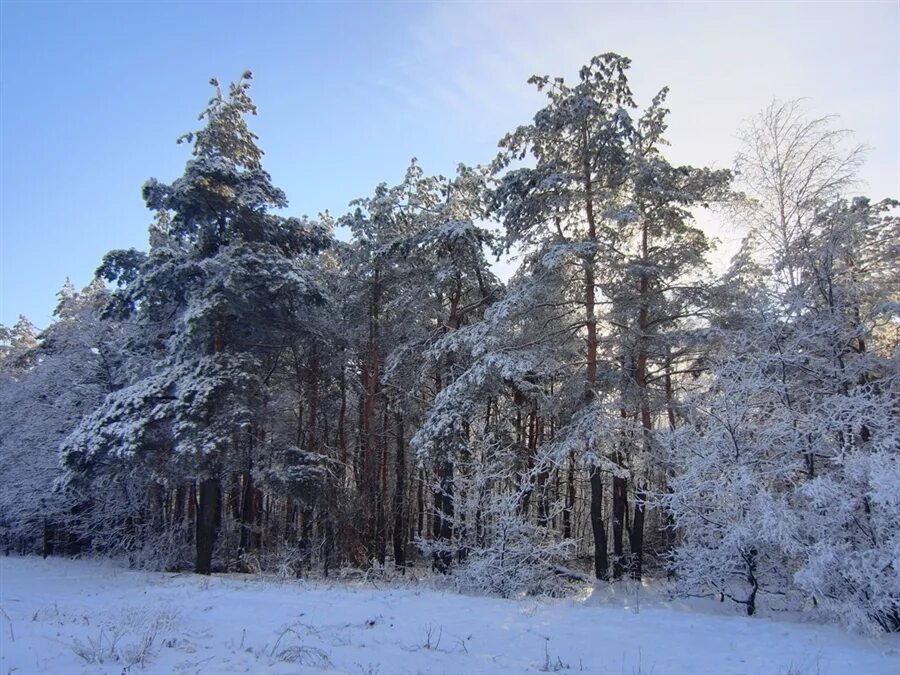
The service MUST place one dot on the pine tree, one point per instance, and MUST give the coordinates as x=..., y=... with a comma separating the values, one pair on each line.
x=418, y=274
x=230, y=281
x=604, y=216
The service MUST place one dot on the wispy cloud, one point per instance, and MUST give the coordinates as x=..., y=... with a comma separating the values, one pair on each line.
x=723, y=62
x=467, y=64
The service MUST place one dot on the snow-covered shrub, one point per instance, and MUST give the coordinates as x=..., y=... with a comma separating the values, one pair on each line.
x=729, y=498
x=286, y=561
x=855, y=577
x=512, y=556
x=113, y=517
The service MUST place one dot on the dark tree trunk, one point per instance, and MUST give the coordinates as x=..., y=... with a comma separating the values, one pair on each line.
x=156, y=505
x=601, y=559
x=248, y=509
x=192, y=502
x=327, y=544
x=637, y=527
x=420, y=504
x=543, y=503
x=342, y=428
x=619, y=507
x=368, y=421
x=399, y=494
x=306, y=524
x=637, y=535
x=178, y=510
x=601, y=562
x=570, y=500
x=233, y=501
x=443, y=520
x=381, y=493
x=530, y=442
x=47, y=548
x=750, y=560
x=207, y=523
x=262, y=518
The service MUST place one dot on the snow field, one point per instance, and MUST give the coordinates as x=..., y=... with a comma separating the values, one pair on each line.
x=64, y=616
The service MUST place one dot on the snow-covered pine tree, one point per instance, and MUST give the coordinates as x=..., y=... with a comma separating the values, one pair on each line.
x=419, y=274
x=604, y=215
x=656, y=279
x=228, y=282
x=554, y=211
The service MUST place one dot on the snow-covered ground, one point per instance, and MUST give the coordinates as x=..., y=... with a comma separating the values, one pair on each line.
x=63, y=616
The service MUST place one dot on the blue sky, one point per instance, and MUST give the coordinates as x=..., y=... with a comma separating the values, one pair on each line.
x=93, y=96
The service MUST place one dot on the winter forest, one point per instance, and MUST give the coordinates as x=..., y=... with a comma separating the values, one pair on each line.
x=253, y=394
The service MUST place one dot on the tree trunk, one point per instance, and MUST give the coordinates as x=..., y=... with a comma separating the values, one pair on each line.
x=530, y=452
x=368, y=431
x=637, y=535
x=669, y=528
x=327, y=544
x=601, y=563
x=637, y=526
x=342, y=427
x=601, y=559
x=207, y=523
x=47, y=547
x=620, y=497
x=443, y=520
x=420, y=504
x=248, y=509
x=381, y=493
x=178, y=507
x=399, y=494
x=570, y=500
